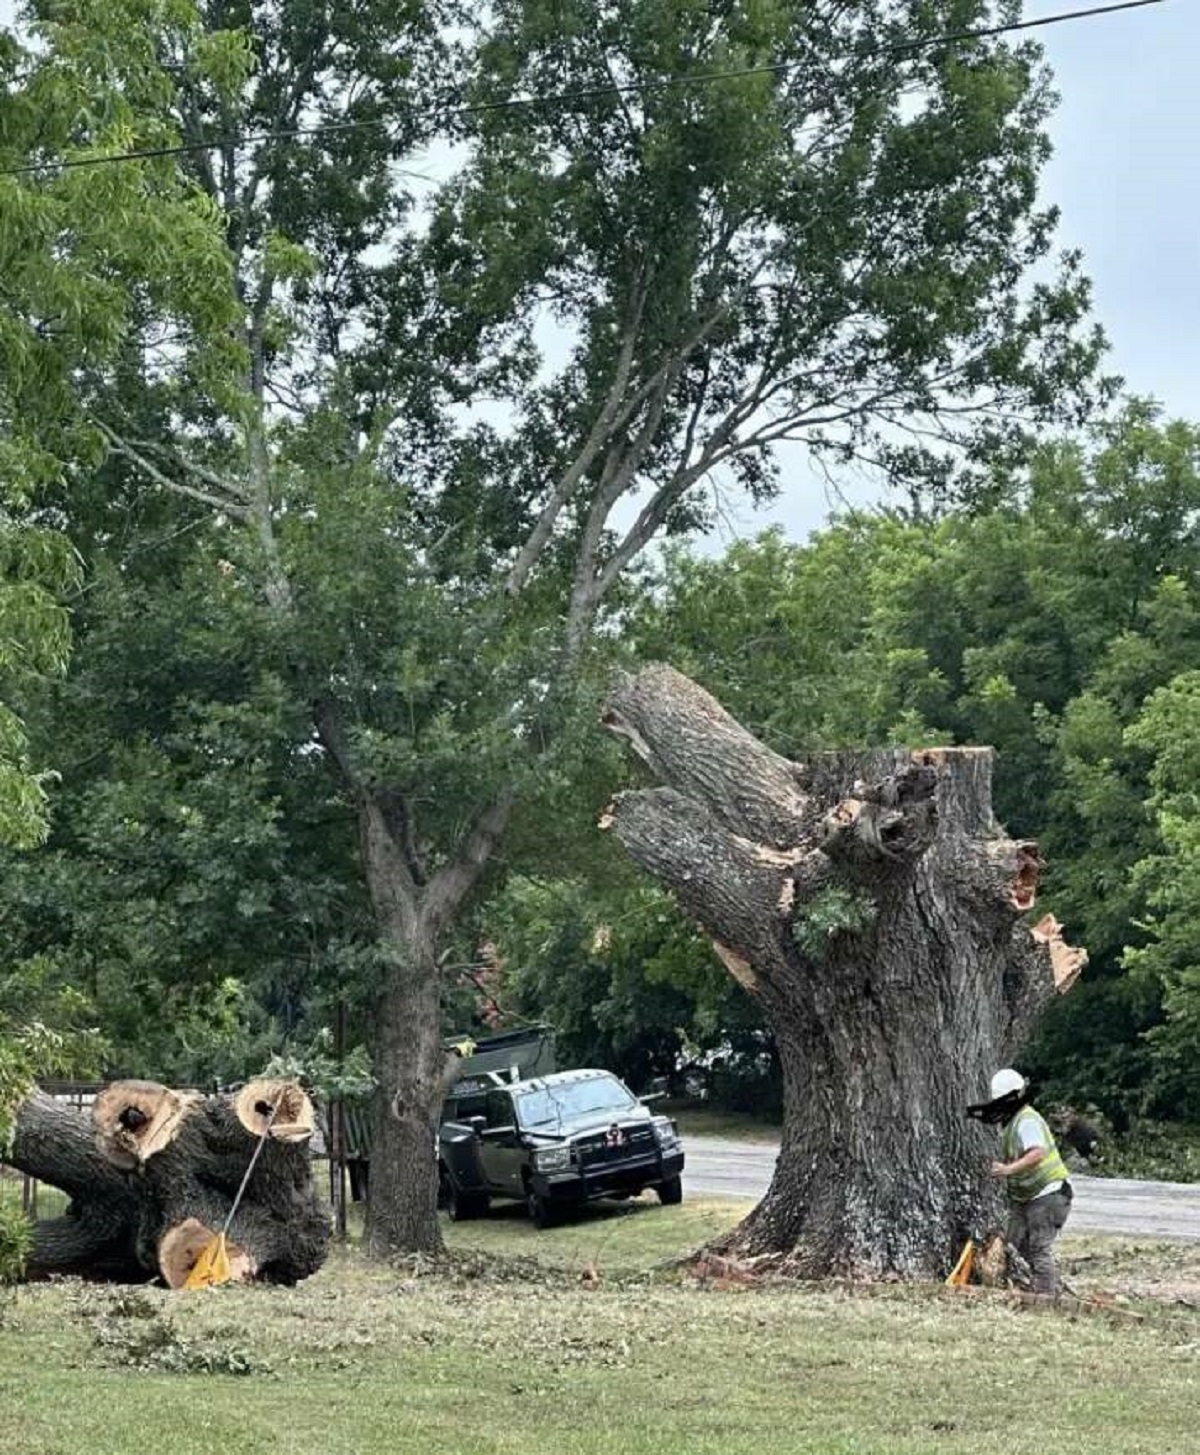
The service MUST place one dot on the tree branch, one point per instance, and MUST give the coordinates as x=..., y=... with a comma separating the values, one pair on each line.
x=455, y=880
x=607, y=420
x=687, y=739
x=136, y=457
x=332, y=733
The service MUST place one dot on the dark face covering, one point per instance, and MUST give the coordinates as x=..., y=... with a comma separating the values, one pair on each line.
x=996, y=1113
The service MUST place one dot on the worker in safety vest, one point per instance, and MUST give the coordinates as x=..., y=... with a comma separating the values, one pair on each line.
x=1035, y=1176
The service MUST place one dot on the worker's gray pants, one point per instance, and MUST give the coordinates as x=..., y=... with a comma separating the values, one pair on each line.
x=1032, y=1229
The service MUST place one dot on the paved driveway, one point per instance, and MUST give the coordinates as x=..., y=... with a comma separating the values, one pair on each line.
x=720, y=1167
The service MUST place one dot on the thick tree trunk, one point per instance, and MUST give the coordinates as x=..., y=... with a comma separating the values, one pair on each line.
x=872, y=905
x=402, y=1191
x=148, y=1162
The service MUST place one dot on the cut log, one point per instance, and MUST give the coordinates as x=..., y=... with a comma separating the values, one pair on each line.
x=136, y=1119
x=873, y=907
x=153, y=1173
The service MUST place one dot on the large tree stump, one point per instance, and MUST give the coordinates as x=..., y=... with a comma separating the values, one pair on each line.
x=153, y=1173
x=874, y=908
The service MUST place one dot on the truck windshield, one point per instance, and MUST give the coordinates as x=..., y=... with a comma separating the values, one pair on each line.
x=554, y=1104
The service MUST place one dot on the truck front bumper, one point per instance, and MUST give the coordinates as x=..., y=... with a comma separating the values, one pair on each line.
x=609, y=1179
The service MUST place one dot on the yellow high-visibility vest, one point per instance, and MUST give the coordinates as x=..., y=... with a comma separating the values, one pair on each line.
x=1025, y=1186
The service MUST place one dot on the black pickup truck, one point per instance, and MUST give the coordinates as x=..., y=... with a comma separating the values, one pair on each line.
x=555, y=1142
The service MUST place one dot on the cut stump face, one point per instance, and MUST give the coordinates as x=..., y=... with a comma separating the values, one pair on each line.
x=137, y=1119
x=180, y=1247
x=282, y=1106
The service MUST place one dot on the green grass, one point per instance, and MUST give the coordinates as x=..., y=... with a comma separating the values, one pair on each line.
x=510, y=1355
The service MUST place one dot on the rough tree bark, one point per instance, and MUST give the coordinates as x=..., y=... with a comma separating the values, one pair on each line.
x=152, y=1174
x=874, y=908
x=414, y=908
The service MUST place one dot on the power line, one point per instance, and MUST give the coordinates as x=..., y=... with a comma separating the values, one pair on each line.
x=565, y=98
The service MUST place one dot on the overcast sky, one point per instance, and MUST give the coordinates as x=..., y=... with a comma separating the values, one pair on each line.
x=1126, y=174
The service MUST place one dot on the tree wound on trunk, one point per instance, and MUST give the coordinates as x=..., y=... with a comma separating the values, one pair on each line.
x=873, y=905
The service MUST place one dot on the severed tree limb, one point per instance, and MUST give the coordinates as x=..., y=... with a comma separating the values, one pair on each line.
x=689, y=741
x=731, y=883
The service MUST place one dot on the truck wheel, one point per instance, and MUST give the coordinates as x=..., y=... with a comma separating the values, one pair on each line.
x=670, y=1193
x=466, y=1205
x=541, y=1212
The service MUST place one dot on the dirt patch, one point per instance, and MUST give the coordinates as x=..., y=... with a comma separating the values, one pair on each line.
x=1160, y=1272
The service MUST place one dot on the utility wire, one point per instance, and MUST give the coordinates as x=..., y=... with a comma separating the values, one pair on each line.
x=565, y=98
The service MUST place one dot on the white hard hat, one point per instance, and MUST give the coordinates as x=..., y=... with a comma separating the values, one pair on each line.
x=1005, y=1082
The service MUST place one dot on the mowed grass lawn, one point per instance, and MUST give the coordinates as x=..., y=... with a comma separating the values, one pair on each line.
x=525, y=1357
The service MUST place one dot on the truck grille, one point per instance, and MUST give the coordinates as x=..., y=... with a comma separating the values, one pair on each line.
x=595, y=1149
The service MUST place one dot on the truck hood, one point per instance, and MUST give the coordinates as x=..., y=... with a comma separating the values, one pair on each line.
x=590, y=1122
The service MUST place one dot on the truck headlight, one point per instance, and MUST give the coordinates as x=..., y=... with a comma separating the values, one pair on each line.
x=552, y=1159
x=666, y=1135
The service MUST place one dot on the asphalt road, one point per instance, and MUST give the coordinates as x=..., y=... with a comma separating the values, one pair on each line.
x=717, y=1167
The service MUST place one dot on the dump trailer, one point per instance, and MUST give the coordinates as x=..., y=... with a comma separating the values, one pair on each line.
x=497, y=1061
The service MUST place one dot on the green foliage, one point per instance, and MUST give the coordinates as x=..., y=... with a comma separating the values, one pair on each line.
x=83, y=253
x=325, y=1074
x=1168, y=878
x=1161, y=1151
x=16, y=1241
x=823, y=249
x=623, y=979
x=830, y=912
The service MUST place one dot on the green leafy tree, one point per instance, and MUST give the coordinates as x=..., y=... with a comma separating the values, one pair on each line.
x=77, y=249
x=1168, y=877
x=83, y=253
x=623, y=979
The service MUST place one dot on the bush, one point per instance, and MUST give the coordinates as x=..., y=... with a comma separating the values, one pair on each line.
x=1161, y=1151
x=16, y=1239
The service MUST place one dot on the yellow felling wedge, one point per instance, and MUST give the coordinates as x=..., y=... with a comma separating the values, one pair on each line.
x=212, y=1267
x=960, y=1275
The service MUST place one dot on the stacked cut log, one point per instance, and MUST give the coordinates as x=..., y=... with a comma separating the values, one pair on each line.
x=152, y=1175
